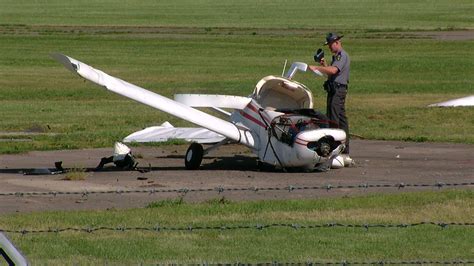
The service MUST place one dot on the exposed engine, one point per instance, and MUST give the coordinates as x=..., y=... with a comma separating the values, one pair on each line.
x=286, y=127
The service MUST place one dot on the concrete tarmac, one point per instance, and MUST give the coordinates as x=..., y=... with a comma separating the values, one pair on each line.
x=232, y=166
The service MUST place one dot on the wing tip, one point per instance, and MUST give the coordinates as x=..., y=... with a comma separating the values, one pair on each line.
x=66, y=61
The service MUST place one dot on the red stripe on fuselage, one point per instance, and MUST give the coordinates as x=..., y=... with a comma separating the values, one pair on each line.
x=253, y=119
x=252, y=107
x=301, y=142
x=255, y=109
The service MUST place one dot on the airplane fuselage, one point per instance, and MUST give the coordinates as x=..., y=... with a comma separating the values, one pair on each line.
x=288, y=144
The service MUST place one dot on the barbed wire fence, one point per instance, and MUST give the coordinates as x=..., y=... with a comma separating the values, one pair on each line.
x=191, y=228
x=343, y=263
x=221, y=189
x=290, y=188
x=158, y=229
x=258, y=227
x=348, y=262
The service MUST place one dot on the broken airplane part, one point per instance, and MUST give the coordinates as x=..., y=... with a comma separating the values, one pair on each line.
x=276, y=121
x=465, y=101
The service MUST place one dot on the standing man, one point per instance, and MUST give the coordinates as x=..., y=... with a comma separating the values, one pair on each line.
x=336, y=86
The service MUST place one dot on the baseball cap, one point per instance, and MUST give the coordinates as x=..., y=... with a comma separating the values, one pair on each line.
x=332, y=37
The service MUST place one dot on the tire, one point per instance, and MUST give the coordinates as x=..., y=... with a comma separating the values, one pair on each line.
x=193, y=157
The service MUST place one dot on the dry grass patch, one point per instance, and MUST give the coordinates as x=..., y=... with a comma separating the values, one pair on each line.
x=76, y=174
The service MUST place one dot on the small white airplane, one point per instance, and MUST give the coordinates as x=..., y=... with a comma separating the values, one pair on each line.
x=277, y=121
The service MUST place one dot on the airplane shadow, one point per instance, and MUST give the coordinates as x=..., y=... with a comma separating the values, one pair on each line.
x=234, y=163
x=231, y=163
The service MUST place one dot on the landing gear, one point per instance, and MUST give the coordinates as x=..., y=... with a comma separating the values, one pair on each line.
x=193, y=157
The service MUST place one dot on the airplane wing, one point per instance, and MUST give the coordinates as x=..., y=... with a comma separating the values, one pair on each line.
x=166, y=132
x=218, y=101
x=177, y=109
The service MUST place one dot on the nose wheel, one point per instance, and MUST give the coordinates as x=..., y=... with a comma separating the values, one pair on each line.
x=193, y=157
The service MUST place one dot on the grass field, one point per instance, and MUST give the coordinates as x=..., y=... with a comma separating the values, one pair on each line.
x=393, y=80
x=180, y=47
x=348, y=15
x=226, y=47
x=427, y=242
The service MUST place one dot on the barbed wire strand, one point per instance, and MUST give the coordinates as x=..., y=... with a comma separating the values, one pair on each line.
x=190, y=228
x=348, y=262
x=222, y=189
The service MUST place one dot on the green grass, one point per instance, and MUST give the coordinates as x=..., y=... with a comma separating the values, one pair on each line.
x=225, y=47
x=392, y=82
x=353, y=14
x=251, y=245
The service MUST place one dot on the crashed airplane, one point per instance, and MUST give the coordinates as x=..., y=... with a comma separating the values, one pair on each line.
x=277, y=121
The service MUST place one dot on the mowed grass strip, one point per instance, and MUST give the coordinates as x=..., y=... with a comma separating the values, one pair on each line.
x=392, y=82
x=251, y=245
x=352, y=14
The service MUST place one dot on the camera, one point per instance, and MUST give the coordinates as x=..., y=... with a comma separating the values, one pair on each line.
x=319, y=55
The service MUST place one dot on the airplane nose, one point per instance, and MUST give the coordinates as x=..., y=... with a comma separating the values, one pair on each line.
x=322, y=147
x=322, y=141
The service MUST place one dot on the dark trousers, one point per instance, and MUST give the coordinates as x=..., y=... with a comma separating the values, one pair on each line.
x=336, y=110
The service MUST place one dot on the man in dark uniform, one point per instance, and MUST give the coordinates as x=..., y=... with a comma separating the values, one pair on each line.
x=336, y=86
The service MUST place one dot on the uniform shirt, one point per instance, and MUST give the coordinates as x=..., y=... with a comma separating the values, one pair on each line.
x=342, y=62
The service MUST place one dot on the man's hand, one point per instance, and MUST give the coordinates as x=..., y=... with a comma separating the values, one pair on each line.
x=322, y=62
x=315, y=70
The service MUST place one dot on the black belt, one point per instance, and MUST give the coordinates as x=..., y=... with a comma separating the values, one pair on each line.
x=330, y=86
